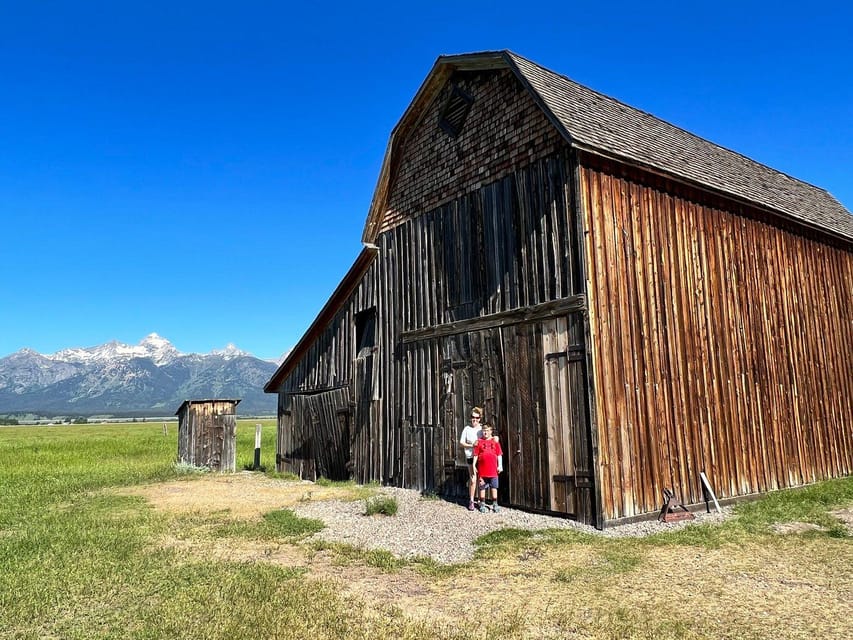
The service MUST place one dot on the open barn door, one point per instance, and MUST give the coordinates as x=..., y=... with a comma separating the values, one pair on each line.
x=566, y=417
x=547, y=446
x=314, y=434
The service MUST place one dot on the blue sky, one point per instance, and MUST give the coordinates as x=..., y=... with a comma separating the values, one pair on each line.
x=204, y=170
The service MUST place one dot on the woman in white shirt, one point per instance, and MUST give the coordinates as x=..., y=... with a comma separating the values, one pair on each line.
x=470, y=434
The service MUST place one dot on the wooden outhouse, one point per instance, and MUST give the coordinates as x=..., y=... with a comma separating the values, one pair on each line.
x=207, y=434
x=631, y=304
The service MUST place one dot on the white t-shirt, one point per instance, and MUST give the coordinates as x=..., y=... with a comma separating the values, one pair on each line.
x=469, y=438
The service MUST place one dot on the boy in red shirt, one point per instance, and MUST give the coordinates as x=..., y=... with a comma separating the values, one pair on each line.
x=486, y=461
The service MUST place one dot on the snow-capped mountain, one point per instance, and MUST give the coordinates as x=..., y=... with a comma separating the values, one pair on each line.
x=157, y=349
x=230, y=351
x=150, y=378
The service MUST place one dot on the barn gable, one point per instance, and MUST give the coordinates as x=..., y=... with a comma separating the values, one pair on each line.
x=490, y=146
x=594, y=122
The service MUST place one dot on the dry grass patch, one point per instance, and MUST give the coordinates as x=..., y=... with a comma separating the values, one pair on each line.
x=845, y=516
x=548, y=587
x=755, y=591
x=239, y=496
x=248, y=496
x=764, y=590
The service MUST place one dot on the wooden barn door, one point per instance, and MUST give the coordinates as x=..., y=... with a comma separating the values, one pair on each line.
x=525, y=447
x=314, y=434
x=566, y=417
x=368, y=443
x=546, y=451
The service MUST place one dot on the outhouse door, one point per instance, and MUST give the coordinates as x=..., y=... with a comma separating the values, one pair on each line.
x=224, y=456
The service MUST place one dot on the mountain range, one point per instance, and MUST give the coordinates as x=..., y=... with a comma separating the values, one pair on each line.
x=152, y=378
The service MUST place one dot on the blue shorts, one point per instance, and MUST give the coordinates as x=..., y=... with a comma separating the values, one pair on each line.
x=489, y=483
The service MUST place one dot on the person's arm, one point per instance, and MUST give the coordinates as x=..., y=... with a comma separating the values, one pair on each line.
x=463, y=439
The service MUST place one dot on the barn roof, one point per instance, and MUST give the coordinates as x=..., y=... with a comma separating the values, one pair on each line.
x=594, y=122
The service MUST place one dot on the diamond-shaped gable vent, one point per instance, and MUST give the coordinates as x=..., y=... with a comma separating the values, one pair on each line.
x=452, y=117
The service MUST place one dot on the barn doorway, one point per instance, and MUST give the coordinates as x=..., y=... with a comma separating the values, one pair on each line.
x=471, y=375
x=530, y=379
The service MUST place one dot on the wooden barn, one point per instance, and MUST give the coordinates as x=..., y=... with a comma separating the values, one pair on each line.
x=207, y=433
x=631, y=304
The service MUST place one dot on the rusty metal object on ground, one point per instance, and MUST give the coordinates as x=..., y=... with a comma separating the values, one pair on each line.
x=673, y=510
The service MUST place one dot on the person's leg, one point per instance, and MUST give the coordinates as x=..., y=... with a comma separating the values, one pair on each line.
x=493, y=493
x=472, y=486
x=485, y=501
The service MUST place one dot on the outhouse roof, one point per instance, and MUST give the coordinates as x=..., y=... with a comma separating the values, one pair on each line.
x=187, y=403
x=594, y=122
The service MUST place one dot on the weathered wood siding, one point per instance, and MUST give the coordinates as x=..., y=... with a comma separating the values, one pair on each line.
x=330, y=401
x=720, y=344
x=468, y=275
x=477, y=225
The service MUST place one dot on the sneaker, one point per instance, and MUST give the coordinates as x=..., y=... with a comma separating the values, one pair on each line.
x=471, y=506
x=483, y=508
x=496, y=507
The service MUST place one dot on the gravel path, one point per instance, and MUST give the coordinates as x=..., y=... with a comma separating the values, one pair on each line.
x=446, y=531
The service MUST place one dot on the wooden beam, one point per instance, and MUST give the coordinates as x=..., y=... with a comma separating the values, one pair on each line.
x=501, y=319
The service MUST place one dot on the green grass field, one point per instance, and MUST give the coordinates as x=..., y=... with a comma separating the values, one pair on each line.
x=80, y=559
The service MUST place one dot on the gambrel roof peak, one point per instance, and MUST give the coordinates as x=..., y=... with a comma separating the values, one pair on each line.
x=597, y=123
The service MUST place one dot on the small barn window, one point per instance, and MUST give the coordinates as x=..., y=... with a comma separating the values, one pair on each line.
x=365, y=332
x=455, y=110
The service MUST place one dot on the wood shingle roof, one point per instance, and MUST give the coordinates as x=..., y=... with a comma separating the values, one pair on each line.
x=602, y=123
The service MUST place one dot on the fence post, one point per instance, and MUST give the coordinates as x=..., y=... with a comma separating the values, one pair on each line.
x=257, y=464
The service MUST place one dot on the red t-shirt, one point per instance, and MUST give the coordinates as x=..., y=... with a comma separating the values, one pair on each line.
x=487, y=452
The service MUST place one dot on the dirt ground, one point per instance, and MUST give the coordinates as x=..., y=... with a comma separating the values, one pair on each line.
x=248, y=496
x=239, y=496
x=796, y=587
